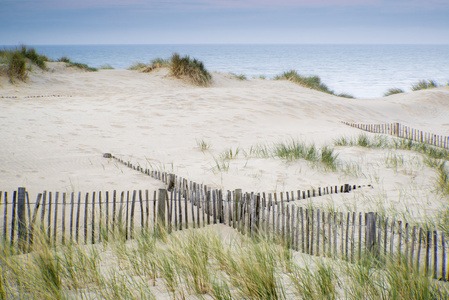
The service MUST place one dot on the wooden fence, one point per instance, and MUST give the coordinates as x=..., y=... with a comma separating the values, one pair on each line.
x=405, y=132
x=96, y=217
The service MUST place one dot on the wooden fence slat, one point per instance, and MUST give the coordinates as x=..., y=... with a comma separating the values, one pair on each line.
x=85, y=217
x=33, y=222
x=335, y=235
x=14, y=213
x=287, y=225
x=55, y=226
x=353, y=237
x=282, y=212
x=435, y=254
x=107, y=216
x=175, y=206
x=347, y=235
x=198, y=204
x=29, y=213
x=312, y=233
x=420, y=236
x=5, y=217
x=100, y=217
x=192, y=203
x=341, y=223
x=161, y=209
x=208, y=206
x=324, y=232
x=318, y=215
x=406, y=241
x=428, y=247
x=133, y=205
x=170, y=210
x=293, y=228
x=154, y=209
x=412, y=246
x=214, y=206
x=360, y=237
x=392, y=238
x=179, y=210
x=307, y=232
x=49, y=216
x=21, y=218
x=93, y=219
x=127, y=216
x=63, y=217
x=114, y=209
x=329, y=233
x=443, y=258
x=302, y=228
x=399, y=239
x=77, y=217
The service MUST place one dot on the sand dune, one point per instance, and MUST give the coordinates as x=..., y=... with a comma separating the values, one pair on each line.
x=56, y=142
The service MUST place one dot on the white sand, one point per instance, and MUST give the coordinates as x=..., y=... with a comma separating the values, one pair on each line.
x=57, y=143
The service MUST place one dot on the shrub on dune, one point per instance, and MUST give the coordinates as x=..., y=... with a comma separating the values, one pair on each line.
x=345, y=95
x=16, y=67
x=393, y=91
x=35, y=58
x=312, y=82
x=424, y=84
x=192, y=69
x=81, y=66
x=137, y=66
x=64, y=59
x=107, y=67
x=19, y=60
x=160, y=63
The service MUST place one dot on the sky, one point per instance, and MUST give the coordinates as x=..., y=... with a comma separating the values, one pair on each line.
x=50, y=22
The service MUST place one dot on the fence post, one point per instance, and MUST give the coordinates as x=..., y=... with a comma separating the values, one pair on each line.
x=371, y=219
x=237, y=199
x=160, y=228
x=396, y=129
x=21, y=218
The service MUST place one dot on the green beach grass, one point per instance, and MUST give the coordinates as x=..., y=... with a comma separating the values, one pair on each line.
x=21, y=59
x=201, y=263
x=312, y=82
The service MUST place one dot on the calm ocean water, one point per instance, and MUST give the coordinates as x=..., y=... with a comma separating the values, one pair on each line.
x=361, y=70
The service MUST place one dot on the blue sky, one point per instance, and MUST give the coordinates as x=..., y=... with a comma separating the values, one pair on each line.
x=223, y=21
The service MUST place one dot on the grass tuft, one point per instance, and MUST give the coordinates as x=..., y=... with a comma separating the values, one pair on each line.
x=20, y=59
x=203, y=145
x=424, y=84
x=240, y=77
x=81, y=66
x=312, y=82
x=137, y=66
x=191, y=69
x=106, y=67
x=393, y=91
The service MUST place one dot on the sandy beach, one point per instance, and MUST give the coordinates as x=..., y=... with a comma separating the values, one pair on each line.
x=59, y=123
x=57, y=126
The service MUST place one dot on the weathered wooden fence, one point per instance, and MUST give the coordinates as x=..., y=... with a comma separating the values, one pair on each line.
x=100, y=216
x=398, y=130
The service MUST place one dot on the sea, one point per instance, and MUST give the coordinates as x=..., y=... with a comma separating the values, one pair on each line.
x=363, y=71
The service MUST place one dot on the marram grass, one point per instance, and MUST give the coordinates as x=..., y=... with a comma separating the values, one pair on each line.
x=312, y=82
x=393, y=91
x=20, y=59
x=424, y=84
x=199, y=263
x=190, y=69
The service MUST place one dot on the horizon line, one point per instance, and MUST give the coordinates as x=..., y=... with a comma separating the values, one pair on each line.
x=224, y=44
